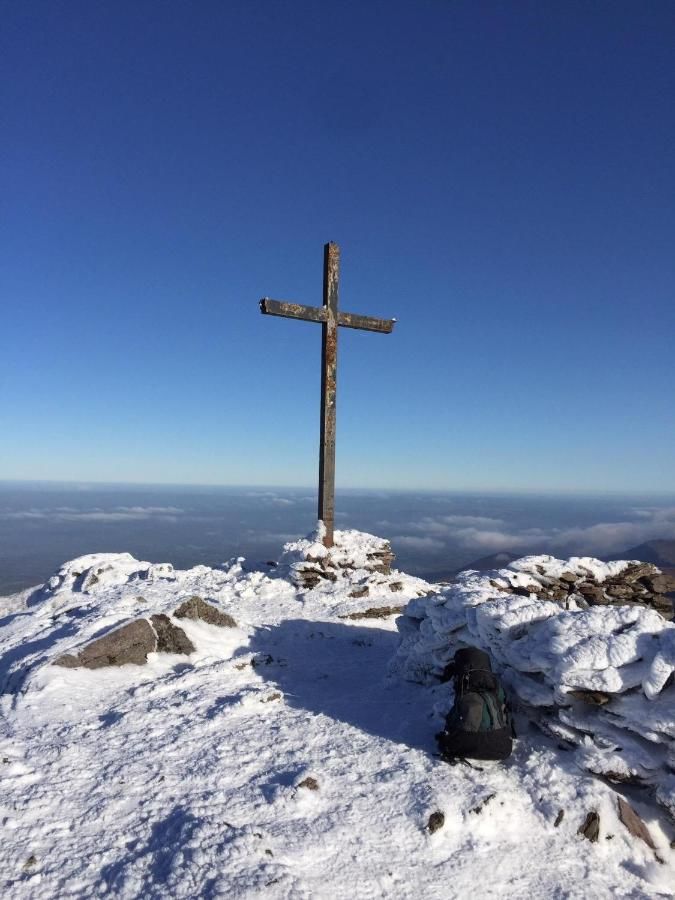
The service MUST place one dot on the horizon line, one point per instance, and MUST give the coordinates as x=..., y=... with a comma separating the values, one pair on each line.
x=84, y=484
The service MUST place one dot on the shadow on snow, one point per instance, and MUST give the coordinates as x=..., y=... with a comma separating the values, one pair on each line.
x=340, y=671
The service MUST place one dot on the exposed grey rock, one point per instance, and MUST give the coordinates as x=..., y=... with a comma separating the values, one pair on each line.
x=622, y=591
x=129, y=644
x=196, y=608
x=360, y=591
x=375, y=612
x=634, y=823
x=593, y=593
x=395, y=586
x=591, y=827
x=659, y=584
x=170, y=638
x=559, y=818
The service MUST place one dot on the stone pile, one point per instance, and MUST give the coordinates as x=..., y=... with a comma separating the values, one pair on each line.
x=584, y=649
x=308, y=564
x=641, y=583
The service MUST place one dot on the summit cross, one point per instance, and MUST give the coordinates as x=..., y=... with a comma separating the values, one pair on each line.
x=330, y=318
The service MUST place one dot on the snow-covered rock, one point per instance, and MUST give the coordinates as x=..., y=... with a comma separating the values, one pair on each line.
x=597, y=677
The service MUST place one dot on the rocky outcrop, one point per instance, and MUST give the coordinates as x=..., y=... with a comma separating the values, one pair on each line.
x=130, y=644
x=197, y=608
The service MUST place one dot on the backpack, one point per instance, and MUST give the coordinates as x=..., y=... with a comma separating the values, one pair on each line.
x=479, y=724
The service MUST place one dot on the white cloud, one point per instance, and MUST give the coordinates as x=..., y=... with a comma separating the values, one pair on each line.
x=117, y=514
x=484, y=534
x=421, y=544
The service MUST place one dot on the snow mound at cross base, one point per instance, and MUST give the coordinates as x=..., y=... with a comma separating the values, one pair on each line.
x=599, y=679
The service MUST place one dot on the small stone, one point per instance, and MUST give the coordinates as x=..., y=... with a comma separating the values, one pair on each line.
x=591, y=827
x=171, y=638
x=595, y=698
x=360, y=591
x=395, y=586
x=559, y=818
x=483, y=803
x=634, y=823
x=593, y=593
x=436, y=821
x=30, y=862
x=310, y=783
x=196, y=608
x=569, y=577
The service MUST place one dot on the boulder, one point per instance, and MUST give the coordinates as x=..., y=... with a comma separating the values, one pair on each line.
x=170, y=638
x=129, y=644
x=196, y=608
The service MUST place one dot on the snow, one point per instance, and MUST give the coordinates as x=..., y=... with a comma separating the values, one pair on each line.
x=184, y=777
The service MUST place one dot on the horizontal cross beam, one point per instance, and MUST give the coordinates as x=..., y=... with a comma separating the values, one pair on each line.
x=319, y=314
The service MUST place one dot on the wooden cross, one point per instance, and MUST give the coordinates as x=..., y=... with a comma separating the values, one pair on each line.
x=330, y=318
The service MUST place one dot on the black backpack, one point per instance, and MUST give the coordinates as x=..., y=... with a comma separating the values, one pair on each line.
x=479, y=724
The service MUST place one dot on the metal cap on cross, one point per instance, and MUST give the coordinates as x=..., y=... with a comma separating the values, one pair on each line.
x=330, y=318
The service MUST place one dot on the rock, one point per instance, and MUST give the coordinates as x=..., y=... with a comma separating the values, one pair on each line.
x=634, y=823
x=30, y=862
x=170, y=638
x=634, y=573
x=436, y=821
x=375, y=612
x=483, y=803
x=591, y=827
x=621, y=591
x=196, y=608
x=595, y=698
x=310, y=783
x=569, y=577
x=129, y=644
x=361, y=591
x=593, y=593
x=395, y=586
x=559, y=818
x=660, y=583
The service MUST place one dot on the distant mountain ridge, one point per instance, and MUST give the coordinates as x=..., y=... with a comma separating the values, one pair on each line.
x=658, y=552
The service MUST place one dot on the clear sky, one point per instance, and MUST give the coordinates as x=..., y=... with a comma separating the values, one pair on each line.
x=500, y=177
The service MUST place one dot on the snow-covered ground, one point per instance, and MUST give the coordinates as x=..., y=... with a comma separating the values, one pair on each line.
x=282, y=758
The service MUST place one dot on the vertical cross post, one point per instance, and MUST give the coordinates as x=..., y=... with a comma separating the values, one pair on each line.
x=331, y=318
x=329, y=335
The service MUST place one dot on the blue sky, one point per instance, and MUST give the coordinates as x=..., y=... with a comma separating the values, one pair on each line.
x=500, y=177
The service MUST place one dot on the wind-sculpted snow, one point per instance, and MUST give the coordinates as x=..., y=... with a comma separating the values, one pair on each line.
x=279, y=758
x=599, y=678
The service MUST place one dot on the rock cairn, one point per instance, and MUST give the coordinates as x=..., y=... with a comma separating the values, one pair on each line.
x=639, y=583
x=308, y=564
x=584, y=648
